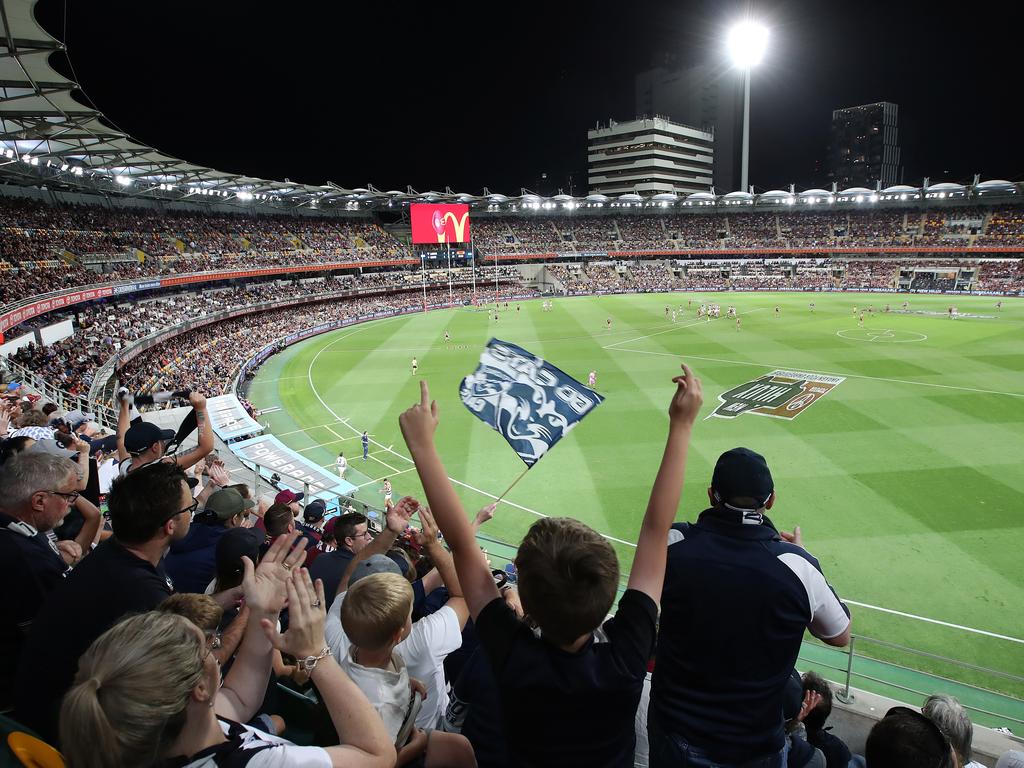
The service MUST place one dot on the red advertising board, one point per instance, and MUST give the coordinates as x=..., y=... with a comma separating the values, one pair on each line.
x=433, y=224
x=20, y=315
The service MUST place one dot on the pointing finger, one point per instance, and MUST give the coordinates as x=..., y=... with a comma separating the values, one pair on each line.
x=424, y=393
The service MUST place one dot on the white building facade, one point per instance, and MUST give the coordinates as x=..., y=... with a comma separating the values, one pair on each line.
x=649, y=155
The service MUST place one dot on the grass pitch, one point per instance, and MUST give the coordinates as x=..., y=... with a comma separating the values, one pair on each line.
x=906, y=478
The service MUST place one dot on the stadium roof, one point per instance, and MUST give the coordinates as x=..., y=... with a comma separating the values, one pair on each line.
x=51, y=135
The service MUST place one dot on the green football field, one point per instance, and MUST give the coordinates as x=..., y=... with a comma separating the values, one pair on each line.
x=906, y=477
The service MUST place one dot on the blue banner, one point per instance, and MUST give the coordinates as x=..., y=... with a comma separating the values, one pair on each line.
x=530, y=402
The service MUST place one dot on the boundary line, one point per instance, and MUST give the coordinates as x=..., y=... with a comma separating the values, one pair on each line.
x=388, y=449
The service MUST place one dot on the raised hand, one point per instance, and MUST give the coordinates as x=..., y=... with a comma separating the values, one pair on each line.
x=796, y=537
x=264, y=585
x=197, y=400
x=688, y=398
x=219, y=475
x=398, y=516
x=485, y=514
x=307, y=614
x=420, y=421
x=427, y=535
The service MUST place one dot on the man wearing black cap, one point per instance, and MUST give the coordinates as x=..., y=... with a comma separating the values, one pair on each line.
x=192, y=562
x=141, y=442
x=738, y=596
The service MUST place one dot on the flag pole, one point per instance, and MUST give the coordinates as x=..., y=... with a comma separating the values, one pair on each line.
x=521, y=475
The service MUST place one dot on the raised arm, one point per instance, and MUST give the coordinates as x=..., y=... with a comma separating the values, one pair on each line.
x=418, y=425
x=648, y=574
x=365, y=740
x=265, y=591
x=443, y=564
x=186, y=460
x=123, y=422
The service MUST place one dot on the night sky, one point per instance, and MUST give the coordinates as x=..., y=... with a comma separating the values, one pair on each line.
x=469, y=95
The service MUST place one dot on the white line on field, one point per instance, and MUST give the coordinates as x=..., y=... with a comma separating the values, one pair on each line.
x=381, y=479
x=936, y=621
x=389, y=449
x=826, y=373
x=304, y=429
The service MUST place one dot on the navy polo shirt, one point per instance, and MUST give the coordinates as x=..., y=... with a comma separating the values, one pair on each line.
x=30, y=568
x=110, y=583
x=736, y=602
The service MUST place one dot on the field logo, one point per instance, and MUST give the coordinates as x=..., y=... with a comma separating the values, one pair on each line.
x=780, y=394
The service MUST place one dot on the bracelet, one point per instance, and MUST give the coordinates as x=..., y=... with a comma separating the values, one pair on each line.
x=309, y=663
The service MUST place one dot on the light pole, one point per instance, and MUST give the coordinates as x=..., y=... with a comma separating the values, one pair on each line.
x=746, y=42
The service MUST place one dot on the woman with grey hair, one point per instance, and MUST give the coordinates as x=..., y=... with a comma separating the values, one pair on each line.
x=951, y=718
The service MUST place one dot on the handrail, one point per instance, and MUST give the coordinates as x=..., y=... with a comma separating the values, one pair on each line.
x=848, y=673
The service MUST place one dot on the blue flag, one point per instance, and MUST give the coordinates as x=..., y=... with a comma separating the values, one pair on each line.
x=530, y=402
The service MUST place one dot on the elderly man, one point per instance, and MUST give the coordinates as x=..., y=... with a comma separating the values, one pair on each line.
x=38, y=491
x=149, y=510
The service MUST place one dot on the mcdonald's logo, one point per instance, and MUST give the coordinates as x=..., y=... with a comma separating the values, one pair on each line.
x=439, y=223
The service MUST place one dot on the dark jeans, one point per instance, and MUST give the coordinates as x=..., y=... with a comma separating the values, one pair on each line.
x=669, y=750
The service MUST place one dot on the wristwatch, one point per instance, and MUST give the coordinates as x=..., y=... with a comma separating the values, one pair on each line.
x=309, y=663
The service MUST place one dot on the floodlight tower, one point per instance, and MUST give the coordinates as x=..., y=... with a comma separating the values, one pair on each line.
x=747, y=42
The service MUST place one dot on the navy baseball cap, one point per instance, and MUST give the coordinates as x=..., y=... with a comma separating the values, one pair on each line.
x=315, y=511
x=142, y=434
x=742, y=473
x=372, y=565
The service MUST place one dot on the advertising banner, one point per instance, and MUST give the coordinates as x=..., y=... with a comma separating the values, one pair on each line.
x=229, y=418
x=432, y=224
x=272, y=456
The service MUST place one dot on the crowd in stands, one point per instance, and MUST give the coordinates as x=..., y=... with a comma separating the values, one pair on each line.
x=103, y=329
x=183, y=627
x=49, y=247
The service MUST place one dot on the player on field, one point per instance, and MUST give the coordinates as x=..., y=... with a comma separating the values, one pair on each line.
x=999, y=304
x=342, y=464
x=666, y=313
x=415, y=365
x=854, y=311
x=673, y=315
x=447, y=336
x=860, y=321
x=608, y=323
x=517, y=310
x=386, y=490
x=906, y=305
x=737, y=323
x=592, y=379
x=811, y=305
x=950, y=311
x=777, y=310
x=366, y=444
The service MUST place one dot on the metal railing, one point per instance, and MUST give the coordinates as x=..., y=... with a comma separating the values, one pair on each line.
x=848, y=673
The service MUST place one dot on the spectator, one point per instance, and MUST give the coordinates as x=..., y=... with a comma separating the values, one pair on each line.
x=140, y=443
x=907, y=739
x=566, y=698
x=311, y=525
x=148, y=511
x=147, y=691
x=38, y=490
x=734, y=583
x=837, y=754
x=351, y=535
x=947, y=713
x=278, y=520
x=192, y=562
x=376, y=615
x=433, y=637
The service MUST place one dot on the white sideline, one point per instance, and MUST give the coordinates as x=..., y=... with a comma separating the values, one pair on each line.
x=972, y=630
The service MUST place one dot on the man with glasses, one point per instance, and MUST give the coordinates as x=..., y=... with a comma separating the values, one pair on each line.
x=38, y=490
x=352, y=534
x=149, y=510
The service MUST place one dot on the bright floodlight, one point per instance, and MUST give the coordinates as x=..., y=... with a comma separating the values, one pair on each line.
x=747, y=42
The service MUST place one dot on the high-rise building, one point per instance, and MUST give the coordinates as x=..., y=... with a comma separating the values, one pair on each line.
x=649, y=155
x=707, y=97
x=864, y=146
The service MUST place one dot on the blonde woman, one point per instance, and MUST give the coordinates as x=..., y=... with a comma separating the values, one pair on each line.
x=149, y=692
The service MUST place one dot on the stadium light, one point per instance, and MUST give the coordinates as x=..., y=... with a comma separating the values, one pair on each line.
x=747, y=42
x=124, y=181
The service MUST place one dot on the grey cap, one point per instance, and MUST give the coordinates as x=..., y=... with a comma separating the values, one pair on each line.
x=371, y=565
x=52, y=447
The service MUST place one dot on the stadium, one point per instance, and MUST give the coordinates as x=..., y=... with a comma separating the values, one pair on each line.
x=866, y=342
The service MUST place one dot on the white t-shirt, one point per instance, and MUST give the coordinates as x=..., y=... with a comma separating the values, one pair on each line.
x=387, y=690
x=256, y=749
x=342, y=462
x=432, y=638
